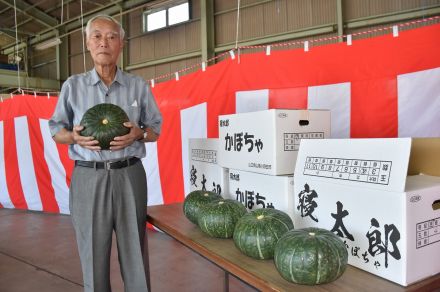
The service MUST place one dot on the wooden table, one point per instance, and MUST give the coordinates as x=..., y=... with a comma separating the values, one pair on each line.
x=262, y=274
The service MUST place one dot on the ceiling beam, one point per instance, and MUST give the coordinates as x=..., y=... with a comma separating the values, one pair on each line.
x=11, y=32
x=33, y=12
x=53, y=8
x=8, y=32
x=8, y=78
x=112, y=8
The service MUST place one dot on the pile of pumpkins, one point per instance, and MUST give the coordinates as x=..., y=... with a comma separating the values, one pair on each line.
x=308, y=256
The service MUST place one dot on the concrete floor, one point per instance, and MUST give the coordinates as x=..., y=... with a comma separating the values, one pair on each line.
x=38, y=253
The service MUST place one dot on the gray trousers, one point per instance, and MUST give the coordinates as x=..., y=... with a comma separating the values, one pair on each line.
x=102, y=201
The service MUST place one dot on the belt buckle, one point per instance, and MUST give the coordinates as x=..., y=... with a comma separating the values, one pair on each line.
x=107, y=165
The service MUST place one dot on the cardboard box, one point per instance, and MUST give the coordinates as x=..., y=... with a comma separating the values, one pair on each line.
x=425, y=156
x=257, y=190
x=359, y=189
x=268, y=141
x=205, y=173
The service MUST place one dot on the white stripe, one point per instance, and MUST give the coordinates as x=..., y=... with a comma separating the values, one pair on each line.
x=151, y=165
x=419, y=104
x=193, y=122
x=5, y=200
x=56, y=168
x=26, y=165
x=251, y=101
x=336, y=98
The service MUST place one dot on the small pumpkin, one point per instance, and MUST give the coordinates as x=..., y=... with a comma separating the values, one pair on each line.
x=104, y=122
x=257, y=232
x=218, y=219
x=310, y=256
x=195, y=200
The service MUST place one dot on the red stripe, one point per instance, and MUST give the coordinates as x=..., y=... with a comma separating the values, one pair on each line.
x=37, y=107
x=170, y=157
x=43, y=177
x=368, y=117
x=13, y=179
x=288, y=98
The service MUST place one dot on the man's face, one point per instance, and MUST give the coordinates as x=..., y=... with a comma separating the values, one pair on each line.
x=104, y=42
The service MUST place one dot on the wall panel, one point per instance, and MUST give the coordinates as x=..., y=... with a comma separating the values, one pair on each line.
x=251, y=22
x=275, y=17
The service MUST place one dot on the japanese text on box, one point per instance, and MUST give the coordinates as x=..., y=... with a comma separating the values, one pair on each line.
x=369, y=171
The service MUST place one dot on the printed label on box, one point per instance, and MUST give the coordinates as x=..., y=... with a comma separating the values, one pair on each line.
x=255, y=190
x=204, y=172
x=267, y=141
x=369, y=171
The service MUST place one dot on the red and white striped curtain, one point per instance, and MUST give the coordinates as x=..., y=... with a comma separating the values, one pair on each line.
x=379, y=87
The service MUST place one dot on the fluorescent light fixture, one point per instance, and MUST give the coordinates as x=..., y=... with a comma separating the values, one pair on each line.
x=48, y=44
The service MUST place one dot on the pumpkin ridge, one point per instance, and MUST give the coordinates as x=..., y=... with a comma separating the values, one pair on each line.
x=279, y=220
x=274, y=233
x=318, y=262
x=340, y=266
x=225, y=226
x=291, y=266
x=259, y=247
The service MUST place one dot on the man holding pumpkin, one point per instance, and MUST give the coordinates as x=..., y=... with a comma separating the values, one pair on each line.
x=108, y=189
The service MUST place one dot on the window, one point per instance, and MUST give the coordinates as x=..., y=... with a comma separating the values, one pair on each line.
x=166, y=16
x=156, y=20
x=178, y=14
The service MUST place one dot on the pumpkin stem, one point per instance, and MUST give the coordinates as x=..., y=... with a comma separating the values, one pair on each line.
x=105, y=121
x=260, y=217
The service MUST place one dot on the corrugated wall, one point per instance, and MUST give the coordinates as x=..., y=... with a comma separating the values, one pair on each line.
x=148, y=54
x=354, y=9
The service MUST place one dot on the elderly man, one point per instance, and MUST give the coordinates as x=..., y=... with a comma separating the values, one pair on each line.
x=108, y=189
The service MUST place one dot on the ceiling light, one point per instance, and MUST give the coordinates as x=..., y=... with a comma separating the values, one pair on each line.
x=48, y=44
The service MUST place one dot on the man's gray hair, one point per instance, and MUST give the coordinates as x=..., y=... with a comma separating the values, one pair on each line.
x=104, y=16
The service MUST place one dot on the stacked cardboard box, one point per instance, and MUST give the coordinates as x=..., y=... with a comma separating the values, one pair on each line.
x=204, y=171
x=359, y=189
x=260, y=150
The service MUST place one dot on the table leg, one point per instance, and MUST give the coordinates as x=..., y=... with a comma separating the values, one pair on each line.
x=226, y=285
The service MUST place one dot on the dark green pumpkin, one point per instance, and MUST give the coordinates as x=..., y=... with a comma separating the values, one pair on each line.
x=104, y=122
x=257, y=232
x=310, y=256
x=218, y=219
x=195, y=200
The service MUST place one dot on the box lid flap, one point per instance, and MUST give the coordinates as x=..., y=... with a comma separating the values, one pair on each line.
x=369, y=163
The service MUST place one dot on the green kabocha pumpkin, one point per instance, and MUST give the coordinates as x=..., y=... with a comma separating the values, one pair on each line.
x=218, y=219
x=104, y=122
x=195, y=200
x=310, y=256
x=257, y=232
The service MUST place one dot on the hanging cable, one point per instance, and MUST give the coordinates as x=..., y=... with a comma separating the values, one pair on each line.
x=82, y=33
x=17, y=58
x=238, y=24
x=62, y=11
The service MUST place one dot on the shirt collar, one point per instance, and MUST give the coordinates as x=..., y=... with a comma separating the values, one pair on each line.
x=94, y=77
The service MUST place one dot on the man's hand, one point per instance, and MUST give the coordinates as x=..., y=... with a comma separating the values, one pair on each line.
x=121, y=142
x=65, y=136
x=86, y=142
